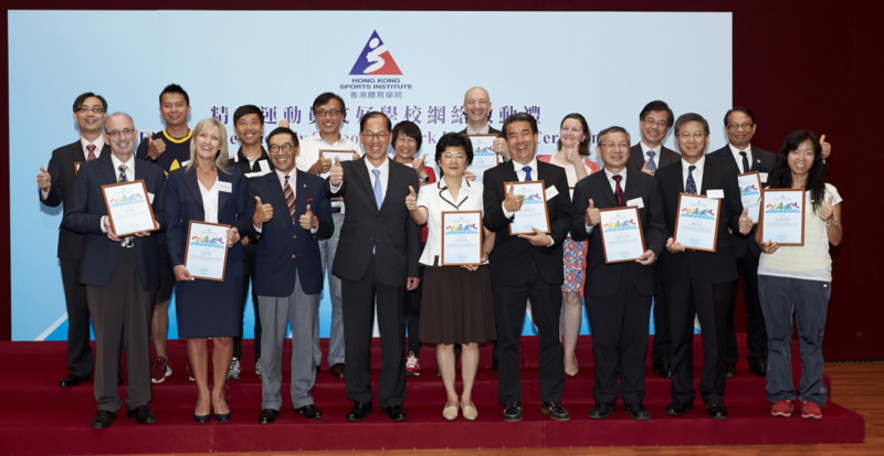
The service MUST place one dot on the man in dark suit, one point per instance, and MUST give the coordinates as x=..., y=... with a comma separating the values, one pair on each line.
x=120, y=275
x=648, y=155
x=291, y=211
x=57, y=186
x=618, y=295
x=377, y=259
x=694, y=281
x=739, y=156
x=527, y=266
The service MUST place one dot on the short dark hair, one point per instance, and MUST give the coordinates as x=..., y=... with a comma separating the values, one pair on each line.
x=691, y=117
x=742, y=109
x=324, y=98
x=453, y=140
x=281, y=131
x=609, y=130
x=520, y=117
x=83, y=96
x=657, y=105
x=174, y=88
x=583, y=148
x=245, y=110
x=371, y=114
x=409, y=129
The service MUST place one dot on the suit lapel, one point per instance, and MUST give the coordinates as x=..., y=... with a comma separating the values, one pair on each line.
x=193, y=187
x=361, y=178
x=603, y=187
x=223, y=197
x=108, y=173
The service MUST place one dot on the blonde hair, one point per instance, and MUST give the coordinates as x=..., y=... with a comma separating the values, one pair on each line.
x=221, y=158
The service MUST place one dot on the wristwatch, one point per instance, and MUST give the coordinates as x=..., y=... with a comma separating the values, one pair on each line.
x=424, y=180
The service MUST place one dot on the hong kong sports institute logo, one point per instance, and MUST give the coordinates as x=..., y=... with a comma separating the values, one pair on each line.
x=375, y=59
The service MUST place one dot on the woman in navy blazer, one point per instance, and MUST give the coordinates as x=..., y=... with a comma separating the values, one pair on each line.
x=208, y=190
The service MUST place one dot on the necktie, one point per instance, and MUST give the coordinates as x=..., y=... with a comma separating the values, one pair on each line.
x=527, y=170
x=378, y=193
x=128, y=240
x=691, y=186
x=289, y=197
x=618, y=190
x=651, y=165
x=745, y=161
x=122, y=169
x=91, y=149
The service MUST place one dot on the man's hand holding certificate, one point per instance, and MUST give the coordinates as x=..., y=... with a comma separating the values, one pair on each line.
x=129, y=209
x=527, y=202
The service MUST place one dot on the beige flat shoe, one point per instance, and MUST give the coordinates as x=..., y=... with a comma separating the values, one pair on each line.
x=470, y=413
x=449, y=412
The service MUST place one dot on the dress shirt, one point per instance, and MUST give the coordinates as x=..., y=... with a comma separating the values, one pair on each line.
x=130, y=175
x=657, y=150
x=99, y=145
x=613, y=184
x=482, y=131
x=384, y=177
x=697, y=173
x=739, y=158
x=311, y=145
x=210, y=201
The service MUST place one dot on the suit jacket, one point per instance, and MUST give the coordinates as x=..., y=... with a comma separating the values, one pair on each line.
x=512, y=255
x=491, y=131
x=61, y=168
x=100, y=254
x=389, y=231
x=762, y=161
x=666, y=158
x=286, y=249
x=185, y=203
x=715, y=267
x=603, y=279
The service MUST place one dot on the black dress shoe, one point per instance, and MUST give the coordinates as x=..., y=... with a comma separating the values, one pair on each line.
x=513, y=411
x=201, y=418
x=71, y=380
x=359, y=410
x=637, y=411
x=601, y=411
x=267, y=416
x=142, y=415
x=716, y=411
x=555, y=410
x=310, y=411
x=678, y=408
x=337, y=370
x=662, y=369
x=396, y=413
x=102, y=419
x=731, y=371
x=759, y=368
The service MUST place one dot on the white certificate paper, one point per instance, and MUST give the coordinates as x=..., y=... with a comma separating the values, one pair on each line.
x=461, y=238
x=622, y=237
x=532, y=214
x=128, y=207
x=206, y=255
x=696, y=223
x=782, y=216
x=750, y=193
x=341, y=155
x=484, y=157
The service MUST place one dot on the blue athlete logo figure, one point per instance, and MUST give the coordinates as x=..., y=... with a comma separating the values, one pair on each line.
x=375, y=59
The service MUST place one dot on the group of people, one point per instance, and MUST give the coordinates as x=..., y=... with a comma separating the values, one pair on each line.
x=291, y=209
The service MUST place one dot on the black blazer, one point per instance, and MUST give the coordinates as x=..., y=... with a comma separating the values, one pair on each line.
x=61, y=168
x=762, y=161
x=603, y=279
x=491, y=131
x=715, y=267
x=83, y=215
x=512, y=256
x=666, y=158
x=390, y=231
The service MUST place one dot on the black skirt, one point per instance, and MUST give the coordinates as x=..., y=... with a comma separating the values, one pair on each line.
x=457, y=306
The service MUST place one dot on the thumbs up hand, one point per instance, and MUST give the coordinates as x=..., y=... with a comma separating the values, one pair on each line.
x=155, y=147
x=593, y=216
x=263, y=212
x=512, y=202
x=307, y=220
x=826, y=213
x=826, y=148
x=745, y=222
x=336, y=174
x=411, y=199
x=44, y=180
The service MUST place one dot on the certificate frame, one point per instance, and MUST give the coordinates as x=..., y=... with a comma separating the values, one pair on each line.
x=128, y=207
x=483, y=153
x=750, y=192
x=460, y=231
x=693, y=217
x=783, y=206
x=341, y=155
x=199, y=260
x=620, y=224
x=536, y=194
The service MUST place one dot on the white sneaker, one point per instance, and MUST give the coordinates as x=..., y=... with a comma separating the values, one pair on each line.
x=412, y=366
x=233, y=372
x=258, y=367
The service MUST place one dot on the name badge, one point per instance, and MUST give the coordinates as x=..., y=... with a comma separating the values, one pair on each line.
x=223, y=186
x=150, y=197
x=636, y=202
x=715, y=194
x=763, y=177
x=551, y=192
x=265, y=167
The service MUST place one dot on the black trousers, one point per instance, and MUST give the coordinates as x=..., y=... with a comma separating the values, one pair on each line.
x=251, y=252
x=756, y=333
x=80, y=360
x=661, y=347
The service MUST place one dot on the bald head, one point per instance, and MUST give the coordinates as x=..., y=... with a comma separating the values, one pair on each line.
x=477, y=106
x=119, y=132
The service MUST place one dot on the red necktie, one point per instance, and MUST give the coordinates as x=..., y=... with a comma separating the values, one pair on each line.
x=289, y=197
x=91, y=149
x=618, y=191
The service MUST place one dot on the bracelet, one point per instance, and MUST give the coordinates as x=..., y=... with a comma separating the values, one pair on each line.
x=833, y=224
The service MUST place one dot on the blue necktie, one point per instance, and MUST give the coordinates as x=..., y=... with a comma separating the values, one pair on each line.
x=527, y=170
x=651, y=165
x=691, y=186
x=128, y=240
x=378, y=194
x=122, y=169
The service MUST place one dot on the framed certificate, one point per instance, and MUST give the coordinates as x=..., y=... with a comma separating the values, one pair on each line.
x=206, y=254
x=696, y=223
x=750, y=193
x=341, y=155
x=533, y=211
x=782, y=216
x=622, y=236
x=484, y=157
x=461, y=238
x=128, y=207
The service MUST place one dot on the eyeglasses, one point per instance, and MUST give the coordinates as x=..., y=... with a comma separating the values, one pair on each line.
x=123, y=132
x=742, y=126
x=382, y=135
x=653, y=122
x=93, y=109
x=286, y=148
x=327, y=112
x=613, y=145
x=688, y=135
x=457, y=157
